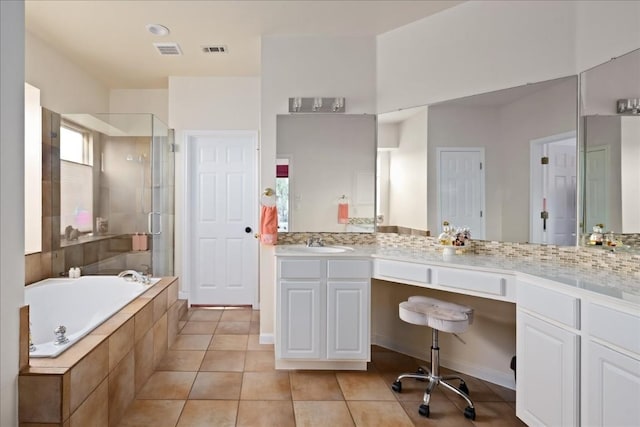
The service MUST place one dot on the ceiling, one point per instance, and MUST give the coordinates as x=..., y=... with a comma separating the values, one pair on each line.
x=108, y=38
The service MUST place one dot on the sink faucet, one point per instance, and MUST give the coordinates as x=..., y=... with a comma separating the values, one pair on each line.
x=314, y=241
x=135, y=276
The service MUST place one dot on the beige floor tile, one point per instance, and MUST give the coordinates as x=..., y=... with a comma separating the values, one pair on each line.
x=181, y=360
x=255, y=315
x=265, y=414
x=199, y=328
x=321, y=414
x=265, y=386
x=223, y=360
x=208, y=413
x=413, y=390
x=496, y=414
x=199, y=315
x=233, y=328
x=156, y=413
x=379, y=414
x=478, y=389
x=442, y=413
x=254, y=344
x=236, y=315
x=364, y=386
x=167, y=385
x=260, y=361
x=254, y=328
x=217, y=385
x=315, y=385
x=229, y=342
x=191, y=342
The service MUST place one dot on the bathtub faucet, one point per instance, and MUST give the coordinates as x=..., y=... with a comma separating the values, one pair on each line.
x=135, y=276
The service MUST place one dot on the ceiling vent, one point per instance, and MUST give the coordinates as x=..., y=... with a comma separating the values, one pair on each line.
x=215, y=49
x=170, y=49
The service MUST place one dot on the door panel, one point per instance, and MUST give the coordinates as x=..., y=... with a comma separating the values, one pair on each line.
x=223, y=171
x=562, y=194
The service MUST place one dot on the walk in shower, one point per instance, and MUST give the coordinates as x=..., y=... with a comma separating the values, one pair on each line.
x=117, y=193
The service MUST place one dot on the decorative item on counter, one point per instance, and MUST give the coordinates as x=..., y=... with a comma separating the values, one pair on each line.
x=102, y=225
x=74, y=273
x=452, y=238
x=597, y=237
x=343, y=210
x=139, y=242
x=71, y=233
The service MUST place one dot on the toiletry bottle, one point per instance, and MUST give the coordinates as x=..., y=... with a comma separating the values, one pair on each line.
x=143, y=242
x=135, y=242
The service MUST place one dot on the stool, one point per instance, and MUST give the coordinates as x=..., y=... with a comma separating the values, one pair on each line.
x=439, y=316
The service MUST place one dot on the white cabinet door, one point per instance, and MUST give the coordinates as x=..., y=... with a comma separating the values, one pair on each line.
x=301, y=320
x=611, y=388
x=547, y=373
x=348, y=320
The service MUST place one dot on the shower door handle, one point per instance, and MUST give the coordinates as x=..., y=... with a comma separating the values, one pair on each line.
x=150, y=223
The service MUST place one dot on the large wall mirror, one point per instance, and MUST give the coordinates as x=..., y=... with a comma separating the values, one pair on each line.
x=611, y=151
x=501, y=163
x=325, y=173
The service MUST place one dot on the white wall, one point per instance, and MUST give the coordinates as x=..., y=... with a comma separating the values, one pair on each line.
x=304, y=67
x=64, y=87
x=12, y=206
x=477, y=47
x=154, y=101
x=206, y=103
x=33, y=175
x=408, y=174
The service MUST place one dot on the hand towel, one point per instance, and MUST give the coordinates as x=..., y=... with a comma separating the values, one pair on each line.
x=269, y=225
x=343, y=213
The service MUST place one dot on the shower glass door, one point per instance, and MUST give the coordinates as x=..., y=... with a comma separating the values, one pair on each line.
x=161, y=216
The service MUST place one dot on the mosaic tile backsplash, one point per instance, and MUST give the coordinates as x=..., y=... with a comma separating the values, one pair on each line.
x=597, y=257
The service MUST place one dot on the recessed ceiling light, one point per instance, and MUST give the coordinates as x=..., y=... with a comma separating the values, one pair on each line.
x=157, y=29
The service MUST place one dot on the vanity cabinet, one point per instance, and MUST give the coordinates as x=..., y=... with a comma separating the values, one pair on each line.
x=611, y=366
x=548, y=349
x=323, y=312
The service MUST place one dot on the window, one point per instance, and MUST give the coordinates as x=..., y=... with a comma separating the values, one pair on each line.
x=76, y=179
x=282, y=193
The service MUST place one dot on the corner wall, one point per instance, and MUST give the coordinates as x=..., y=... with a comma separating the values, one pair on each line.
x=12, y=206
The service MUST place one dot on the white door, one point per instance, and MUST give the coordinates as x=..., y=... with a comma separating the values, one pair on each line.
x=461, y=188
x=223, y=201
x=596, y=182
x=553, y=190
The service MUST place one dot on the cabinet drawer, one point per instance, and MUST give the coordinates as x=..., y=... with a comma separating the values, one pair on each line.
x=551, y=304
x=349, y=269
x=488, y=283
x=614, y=326
x=403, y=271
x=300, y=269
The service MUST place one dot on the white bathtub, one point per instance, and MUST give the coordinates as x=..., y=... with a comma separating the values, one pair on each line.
x=80, y=305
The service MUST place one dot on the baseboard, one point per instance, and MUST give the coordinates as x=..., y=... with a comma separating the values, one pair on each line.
x=320, y=365
x=478, y=371
x=267, y=339
x=183, y=295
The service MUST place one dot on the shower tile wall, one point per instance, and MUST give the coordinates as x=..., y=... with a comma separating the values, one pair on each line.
x=125, y=195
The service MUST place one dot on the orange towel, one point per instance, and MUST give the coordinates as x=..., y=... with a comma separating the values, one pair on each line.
x=343, y=213
x=269, y=225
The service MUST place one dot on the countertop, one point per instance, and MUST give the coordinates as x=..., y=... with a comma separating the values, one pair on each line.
x=620, y=286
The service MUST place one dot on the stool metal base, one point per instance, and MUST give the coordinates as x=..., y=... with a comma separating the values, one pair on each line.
x=434, y=379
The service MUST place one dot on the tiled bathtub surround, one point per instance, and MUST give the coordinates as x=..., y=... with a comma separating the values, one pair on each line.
x=597, y=258
x=93, y=382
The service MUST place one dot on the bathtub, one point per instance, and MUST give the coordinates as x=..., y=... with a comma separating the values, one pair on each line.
x=80, y=305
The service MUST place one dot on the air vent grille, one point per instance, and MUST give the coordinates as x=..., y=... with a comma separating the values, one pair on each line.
x=214, y=49
x=170, y=49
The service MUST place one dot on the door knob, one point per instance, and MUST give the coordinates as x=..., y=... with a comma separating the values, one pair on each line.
x=248, y=230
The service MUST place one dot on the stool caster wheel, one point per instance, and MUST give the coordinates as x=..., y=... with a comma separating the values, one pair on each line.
x=463, y=388
x=424, y=410
x=469, y=412
x=396, y=386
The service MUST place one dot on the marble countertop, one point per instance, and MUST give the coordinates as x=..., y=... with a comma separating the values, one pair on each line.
x=620, y=286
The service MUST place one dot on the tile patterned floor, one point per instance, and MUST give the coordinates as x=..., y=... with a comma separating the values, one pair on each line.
x=217, y=374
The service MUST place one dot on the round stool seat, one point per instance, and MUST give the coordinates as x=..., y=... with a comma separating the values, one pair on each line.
x=441, y=315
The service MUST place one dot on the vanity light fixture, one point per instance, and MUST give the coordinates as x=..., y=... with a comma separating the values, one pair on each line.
x=157, y=29
x=629, y=106
x=317, y=105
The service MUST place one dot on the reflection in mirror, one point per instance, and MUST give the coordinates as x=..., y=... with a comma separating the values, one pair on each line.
x=326, y=157
x=483, y=166
x=611, y=177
